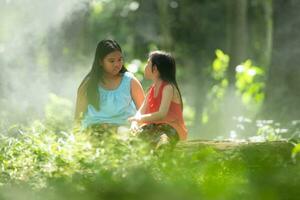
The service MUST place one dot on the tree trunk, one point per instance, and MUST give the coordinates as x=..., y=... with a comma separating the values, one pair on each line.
x=268, y=9
x=238, y=35
x=237, y=46
x=165, y=29
x=283, y=84
x=260, y=28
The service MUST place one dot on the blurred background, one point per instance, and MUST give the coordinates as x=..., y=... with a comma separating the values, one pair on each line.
x=237, y=60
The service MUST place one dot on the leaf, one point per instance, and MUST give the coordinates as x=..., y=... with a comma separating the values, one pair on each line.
x=295, y=151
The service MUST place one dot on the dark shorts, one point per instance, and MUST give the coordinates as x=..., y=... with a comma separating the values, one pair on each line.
x=153, y=133
x=100, y=130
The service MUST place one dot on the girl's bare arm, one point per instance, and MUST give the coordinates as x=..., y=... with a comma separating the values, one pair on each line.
x=137, y=93
x=167, y=96
x=81, y=102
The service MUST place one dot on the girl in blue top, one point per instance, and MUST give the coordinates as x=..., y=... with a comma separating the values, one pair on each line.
x=108, y=95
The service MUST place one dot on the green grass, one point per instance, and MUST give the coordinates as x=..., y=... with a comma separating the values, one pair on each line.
x=40, y=163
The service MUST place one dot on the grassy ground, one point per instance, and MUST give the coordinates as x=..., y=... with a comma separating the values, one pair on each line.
x=39, y=163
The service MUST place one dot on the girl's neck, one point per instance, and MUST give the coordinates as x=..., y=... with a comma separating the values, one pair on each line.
x=108, y=78
x=110, y=82
x=157, y=82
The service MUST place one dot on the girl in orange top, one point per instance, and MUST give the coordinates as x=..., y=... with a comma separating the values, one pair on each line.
x=160, y=115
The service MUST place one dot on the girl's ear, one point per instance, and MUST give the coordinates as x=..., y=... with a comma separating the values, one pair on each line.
x=154, y=68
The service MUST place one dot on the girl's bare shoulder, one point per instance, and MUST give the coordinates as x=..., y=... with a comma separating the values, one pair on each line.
x=175, y=92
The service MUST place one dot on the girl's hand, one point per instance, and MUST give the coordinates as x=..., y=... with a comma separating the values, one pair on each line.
x=136, y=118
x=135, y=128
x=132, y=119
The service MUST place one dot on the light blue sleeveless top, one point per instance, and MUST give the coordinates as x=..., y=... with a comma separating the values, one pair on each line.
x=116, y=106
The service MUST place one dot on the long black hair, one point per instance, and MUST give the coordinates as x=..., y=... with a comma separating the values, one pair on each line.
x=166, y=67
x=92, y=79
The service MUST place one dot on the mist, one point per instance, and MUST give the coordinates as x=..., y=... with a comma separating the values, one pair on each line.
x=25, y=36
x=47, y=47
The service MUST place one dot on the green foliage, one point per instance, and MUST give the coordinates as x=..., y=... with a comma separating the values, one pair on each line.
x=220, y=65
x=250, y=84
x=269, y=132
x=295, y=151
x=220, y=83
x=38, y=153
x=96, y=7
x=47, y=160
x=264, y=130
x=42, y=163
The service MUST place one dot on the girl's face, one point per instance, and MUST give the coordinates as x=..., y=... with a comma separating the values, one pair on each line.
x=148, y=74
x=112, y=63
x=151, y=72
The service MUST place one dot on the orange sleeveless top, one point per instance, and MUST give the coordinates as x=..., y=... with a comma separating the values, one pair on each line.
x=174, y=117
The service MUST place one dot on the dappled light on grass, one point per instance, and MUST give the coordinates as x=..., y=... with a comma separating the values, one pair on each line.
x=72, y=164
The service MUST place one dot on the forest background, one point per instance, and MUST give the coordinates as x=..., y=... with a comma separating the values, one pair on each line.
x=237, y=60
